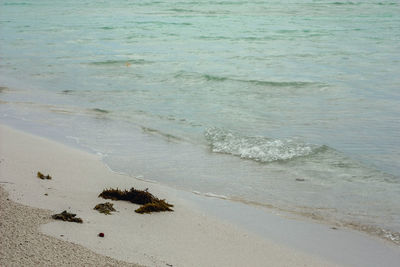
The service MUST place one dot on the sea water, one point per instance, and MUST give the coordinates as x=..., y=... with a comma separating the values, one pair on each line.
x=292, y=105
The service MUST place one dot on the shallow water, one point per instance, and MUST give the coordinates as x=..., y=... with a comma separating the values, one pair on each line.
x=286, y=104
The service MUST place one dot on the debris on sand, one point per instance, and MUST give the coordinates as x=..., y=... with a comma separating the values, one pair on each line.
x=43, y=177
x=160, y=205
x=105, y=208
x=142, y=197
x=66, y=216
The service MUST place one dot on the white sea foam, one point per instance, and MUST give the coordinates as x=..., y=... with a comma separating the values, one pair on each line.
x=261, y=149
x=274, y=87
x=215, y=195
x=141, y=178
x=75, y=138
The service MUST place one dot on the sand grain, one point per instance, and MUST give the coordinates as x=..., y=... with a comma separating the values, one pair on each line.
x=21, y=243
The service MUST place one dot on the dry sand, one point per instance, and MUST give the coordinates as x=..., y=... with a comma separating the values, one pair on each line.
x=22, y=244
x=184, y=237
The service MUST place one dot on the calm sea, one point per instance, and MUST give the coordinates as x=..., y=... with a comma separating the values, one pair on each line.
x=292, y=104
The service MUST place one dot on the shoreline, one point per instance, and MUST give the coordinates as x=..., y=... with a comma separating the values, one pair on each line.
x=185, y=237
x=132, y=155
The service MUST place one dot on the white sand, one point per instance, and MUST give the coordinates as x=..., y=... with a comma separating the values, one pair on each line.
x=22, y=245
x=184, y=237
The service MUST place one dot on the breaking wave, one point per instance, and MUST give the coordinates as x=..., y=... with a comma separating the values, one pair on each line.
x=261, y=149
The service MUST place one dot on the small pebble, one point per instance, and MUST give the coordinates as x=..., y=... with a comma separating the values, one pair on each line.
x=101, y=234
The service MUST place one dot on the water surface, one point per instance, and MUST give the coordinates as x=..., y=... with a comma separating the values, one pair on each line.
x=292, y=105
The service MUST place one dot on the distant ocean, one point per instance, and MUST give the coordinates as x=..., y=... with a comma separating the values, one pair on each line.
x=292, y=105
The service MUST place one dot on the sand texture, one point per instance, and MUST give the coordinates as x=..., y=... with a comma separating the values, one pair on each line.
x=22, y=244
x=184, y=237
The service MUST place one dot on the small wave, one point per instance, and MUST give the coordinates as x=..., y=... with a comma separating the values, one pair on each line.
x=389, y=235
x=339, y=3
x=387, y=4
x=223, y=3
x=238, y=38
x=120, y=62
x=161, y=23
x=261, y=149
x=107, y=28
x=17, y=4
x=75, y=138
x=206, y=37
x=215, y=195
x=140, y=3
x=67, y=91
x=215, y=78
x=58, y=109
x=99, y=110
x=141, y=178
x=278, y=84
x=167, y=136
x=181, y=10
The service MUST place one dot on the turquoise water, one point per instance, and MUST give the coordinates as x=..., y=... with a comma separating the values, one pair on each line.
x=292, y=105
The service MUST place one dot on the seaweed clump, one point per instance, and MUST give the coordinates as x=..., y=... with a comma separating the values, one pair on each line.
x=105, y=208
x=43, y=177
x=66, y=216
x=160, y=205
x=142, y=197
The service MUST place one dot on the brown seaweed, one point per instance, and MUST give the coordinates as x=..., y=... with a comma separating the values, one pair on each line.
x=43, y=177
x=105, y=208
x=161, y=205
x=142, y=197
x=66, y=216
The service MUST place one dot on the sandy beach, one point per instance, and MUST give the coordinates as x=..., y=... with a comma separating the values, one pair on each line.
x=23, y=245
x=269, y=128
x=185, y=237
